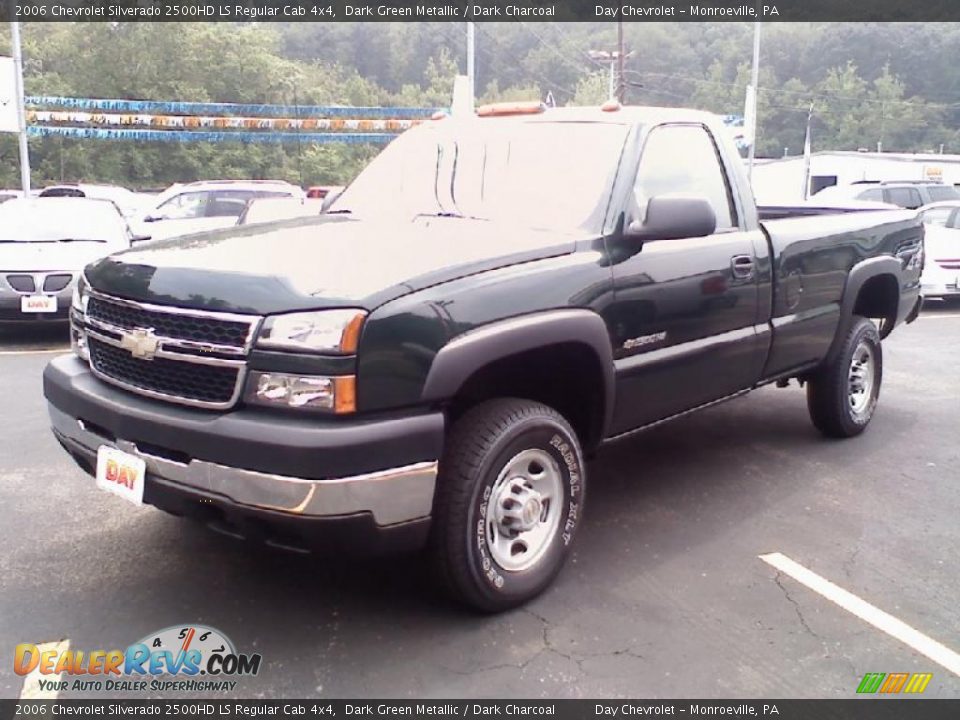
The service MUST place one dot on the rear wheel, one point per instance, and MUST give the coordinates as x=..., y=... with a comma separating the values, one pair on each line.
x=509, y=499
x=842, y=396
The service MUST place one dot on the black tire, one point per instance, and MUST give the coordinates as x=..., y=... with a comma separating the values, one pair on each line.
x=833, y=408
x=479, y=447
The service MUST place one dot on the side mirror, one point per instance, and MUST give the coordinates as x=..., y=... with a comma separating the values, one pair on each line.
x=672, y=217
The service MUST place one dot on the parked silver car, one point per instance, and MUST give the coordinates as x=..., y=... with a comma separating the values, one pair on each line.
x=44, y=245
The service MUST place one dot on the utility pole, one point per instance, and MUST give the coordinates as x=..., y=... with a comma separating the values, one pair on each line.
x=752, y=96
x=471, y=48
x=614, y=60
x=21, y=113
x=621, y=81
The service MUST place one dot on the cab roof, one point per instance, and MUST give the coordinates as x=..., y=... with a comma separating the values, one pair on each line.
x=625, y=115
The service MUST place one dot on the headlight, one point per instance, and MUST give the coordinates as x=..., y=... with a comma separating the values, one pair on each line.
x=310, y=392
x=81, y=294
x=78, y=306
x=335, y=331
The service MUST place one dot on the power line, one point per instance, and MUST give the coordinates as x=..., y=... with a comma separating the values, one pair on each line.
x=515, y=58
x=560, y=54
x=803, y=94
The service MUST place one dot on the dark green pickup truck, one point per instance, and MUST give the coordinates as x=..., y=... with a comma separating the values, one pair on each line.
x=492, y=300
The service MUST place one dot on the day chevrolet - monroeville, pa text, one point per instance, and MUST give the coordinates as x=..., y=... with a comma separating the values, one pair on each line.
x=492, y=299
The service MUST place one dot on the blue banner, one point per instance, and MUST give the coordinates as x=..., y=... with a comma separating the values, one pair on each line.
x=207, y=136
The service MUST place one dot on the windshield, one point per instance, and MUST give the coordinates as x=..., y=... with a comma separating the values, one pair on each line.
x=537, y=173
x=58, y=220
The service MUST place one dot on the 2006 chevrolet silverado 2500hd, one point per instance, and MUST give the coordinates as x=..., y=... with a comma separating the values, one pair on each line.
x=491, y=300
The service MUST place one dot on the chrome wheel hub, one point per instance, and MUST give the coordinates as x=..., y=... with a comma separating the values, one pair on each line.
x=861, y=378
x=523, y=510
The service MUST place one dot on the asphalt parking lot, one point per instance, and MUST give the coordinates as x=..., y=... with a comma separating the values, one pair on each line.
x=666, y=596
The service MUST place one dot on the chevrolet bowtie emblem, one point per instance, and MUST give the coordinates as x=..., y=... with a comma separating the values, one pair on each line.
x=141, y=343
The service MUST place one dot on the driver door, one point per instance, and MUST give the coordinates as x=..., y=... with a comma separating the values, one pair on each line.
x=685, y=311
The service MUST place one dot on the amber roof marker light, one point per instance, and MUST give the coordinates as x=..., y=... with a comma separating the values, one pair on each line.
x=533, y=107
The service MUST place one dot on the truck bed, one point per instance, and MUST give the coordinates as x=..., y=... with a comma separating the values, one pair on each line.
x=781, y=212
x=812, y=253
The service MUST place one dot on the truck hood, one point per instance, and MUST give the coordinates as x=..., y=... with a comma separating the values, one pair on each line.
x=47, y=257
x=314, y=263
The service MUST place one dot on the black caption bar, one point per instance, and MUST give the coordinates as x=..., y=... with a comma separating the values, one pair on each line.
x=864, y=709
x=480, y=10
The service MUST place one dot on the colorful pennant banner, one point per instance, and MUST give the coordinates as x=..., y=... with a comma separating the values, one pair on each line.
x=229, y=109
x=210, y=121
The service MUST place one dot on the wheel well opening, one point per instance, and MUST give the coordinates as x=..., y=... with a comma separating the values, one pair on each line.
x=879, y=298
x=567, y=377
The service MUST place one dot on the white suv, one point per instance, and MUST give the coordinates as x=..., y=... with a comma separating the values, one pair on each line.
x=207, y=205
x=905, y=194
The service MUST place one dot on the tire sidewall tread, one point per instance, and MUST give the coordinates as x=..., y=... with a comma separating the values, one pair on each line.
x=478, y=446
x=828, y=391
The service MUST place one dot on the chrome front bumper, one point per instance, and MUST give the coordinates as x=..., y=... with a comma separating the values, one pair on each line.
x=392, y=496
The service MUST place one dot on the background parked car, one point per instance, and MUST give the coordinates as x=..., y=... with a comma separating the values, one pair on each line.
x=128, y=202
x=324, y=191
x=44, y=245
x=941, y=273
x=261, y=210
x=906, y=194
x=207, y=205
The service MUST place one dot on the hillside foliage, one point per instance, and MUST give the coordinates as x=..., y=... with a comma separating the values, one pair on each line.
x=896, y=85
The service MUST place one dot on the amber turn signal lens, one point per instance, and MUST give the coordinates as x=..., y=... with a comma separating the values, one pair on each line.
x=350, y=338
x=345, y=396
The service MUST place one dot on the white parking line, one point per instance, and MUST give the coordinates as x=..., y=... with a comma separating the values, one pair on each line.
x=36, y=352
x=940, y=654
x=930, y=316
x=31, y=683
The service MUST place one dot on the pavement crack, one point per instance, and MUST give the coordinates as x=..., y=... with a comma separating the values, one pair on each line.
x=580, y=657
x=848, y=564
x=796, y=606
x=547, y=646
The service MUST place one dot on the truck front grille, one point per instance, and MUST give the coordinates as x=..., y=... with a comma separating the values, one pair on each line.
x=171, y=379
x=176, y=326
x=181, y=355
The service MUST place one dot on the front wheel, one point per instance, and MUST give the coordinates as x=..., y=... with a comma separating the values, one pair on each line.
x=842, y=396
x=509, y=499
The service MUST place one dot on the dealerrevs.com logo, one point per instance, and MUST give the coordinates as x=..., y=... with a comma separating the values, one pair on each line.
x=177, y=658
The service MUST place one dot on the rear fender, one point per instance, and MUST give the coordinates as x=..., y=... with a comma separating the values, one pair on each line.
x=859, y=275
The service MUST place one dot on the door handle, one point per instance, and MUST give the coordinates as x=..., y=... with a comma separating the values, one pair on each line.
x=742, y=266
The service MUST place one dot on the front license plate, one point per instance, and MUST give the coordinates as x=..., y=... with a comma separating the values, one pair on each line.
x=121, y=474
x=38, y=304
